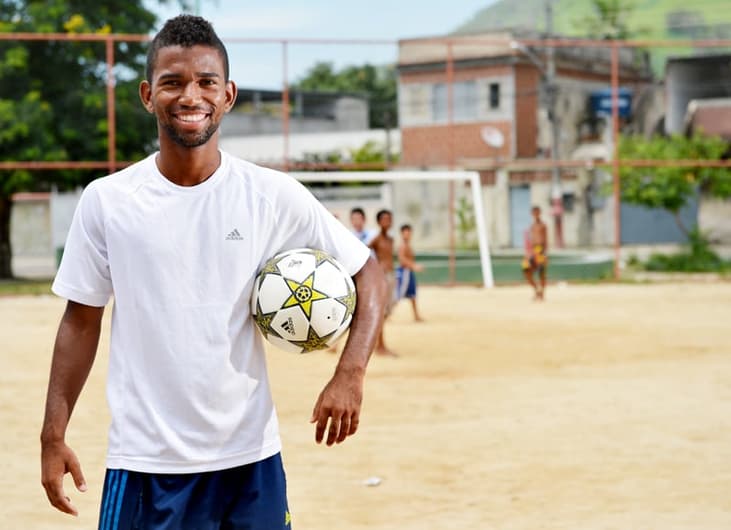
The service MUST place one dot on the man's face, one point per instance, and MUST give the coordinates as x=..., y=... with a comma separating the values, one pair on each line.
x=385, y=221
x=536, y=213
x=188, y=94
x=406, y=234
x=357, y=221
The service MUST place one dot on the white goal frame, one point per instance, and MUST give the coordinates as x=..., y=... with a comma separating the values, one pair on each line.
x=389, y=176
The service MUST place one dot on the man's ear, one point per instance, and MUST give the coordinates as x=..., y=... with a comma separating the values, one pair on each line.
x=146, y=96
x=231, y=92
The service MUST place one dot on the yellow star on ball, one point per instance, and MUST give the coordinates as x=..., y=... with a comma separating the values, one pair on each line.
x=303, y=294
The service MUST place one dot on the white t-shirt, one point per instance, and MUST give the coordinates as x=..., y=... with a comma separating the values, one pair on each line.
x=187, y=384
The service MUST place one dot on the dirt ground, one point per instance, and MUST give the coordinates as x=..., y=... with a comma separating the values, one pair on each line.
x=606, y=407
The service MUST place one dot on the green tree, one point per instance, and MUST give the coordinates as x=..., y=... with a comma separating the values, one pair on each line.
x=376, y=82
x=53, y=95
x=609, y=20
x=671, y=187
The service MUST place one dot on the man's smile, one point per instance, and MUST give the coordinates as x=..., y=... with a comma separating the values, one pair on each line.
x=192, y=118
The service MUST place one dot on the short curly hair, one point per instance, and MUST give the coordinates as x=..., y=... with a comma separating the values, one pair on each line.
x=185, y=31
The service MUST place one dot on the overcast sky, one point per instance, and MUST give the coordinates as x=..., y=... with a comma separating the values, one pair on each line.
x=260, y=65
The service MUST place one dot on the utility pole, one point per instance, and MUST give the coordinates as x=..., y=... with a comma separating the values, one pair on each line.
x=552, y=93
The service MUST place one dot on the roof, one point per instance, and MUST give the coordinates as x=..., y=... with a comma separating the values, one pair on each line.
x=503, y=47
x=710, y=116
x=270, y=147
x=270, y=95
x=695, y=59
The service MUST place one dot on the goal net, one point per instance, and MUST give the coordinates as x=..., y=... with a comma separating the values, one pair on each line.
x=444, y=208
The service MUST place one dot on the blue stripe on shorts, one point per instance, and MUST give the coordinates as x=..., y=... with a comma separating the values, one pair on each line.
x=114, y=489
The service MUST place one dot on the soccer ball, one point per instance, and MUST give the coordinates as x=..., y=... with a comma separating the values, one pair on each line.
x=303, y=300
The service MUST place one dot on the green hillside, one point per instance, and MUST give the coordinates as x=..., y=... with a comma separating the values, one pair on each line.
x=656, y=19
x=650, y=19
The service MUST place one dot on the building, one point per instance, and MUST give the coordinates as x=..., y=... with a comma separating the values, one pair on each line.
x=259, y=112
x=500, y=115
x=699, y=77
x=499, y=85
x=321, y=126
x=709, y=116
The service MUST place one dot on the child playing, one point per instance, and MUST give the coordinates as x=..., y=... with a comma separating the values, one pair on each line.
x=405, y=273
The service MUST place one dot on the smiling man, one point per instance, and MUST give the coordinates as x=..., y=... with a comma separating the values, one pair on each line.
x=194, y=441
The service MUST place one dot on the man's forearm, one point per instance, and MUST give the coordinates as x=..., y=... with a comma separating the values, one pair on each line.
x=73, y=357
x=370, y=287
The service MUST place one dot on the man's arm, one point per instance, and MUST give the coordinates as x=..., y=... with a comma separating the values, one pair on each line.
x=73, y=356
x=407, y=261
x=341, y=399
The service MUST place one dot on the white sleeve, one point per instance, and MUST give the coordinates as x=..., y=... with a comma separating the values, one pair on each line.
x=302, y=221
x=83, y=275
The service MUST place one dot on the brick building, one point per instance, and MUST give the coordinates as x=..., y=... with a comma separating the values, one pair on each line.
x=500, y=86
x=500, y=114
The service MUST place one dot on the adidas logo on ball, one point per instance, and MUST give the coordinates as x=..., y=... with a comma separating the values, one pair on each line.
x=288, y=326
x=303, y=300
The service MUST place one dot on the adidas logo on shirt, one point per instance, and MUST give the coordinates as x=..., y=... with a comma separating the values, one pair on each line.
x=234, y=236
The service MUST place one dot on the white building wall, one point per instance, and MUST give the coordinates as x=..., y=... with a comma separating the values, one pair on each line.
x=714, y=218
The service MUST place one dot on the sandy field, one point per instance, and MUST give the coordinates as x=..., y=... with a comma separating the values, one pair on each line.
x=606, y=407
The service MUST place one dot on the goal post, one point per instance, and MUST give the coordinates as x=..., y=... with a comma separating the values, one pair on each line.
x=472, y=177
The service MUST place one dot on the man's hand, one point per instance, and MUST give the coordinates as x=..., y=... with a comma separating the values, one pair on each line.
x=340, y=403
x=57, y=459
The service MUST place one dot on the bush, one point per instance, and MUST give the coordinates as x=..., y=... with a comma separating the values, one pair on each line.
x=698, y=257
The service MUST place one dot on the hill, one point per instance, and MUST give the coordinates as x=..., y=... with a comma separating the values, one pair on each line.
x=655, y=19
x=650, y=19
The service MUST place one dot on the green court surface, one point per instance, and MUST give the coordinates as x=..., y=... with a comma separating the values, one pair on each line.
x=584, y=266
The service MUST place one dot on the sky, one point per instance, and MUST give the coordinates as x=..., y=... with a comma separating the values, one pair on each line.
x=260, y=65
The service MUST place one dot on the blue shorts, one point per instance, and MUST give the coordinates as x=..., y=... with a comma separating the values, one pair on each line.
x=251, y=497
x=405, y=283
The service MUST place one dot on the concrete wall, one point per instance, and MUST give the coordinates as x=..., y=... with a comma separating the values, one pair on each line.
x=714, y=217
x=30, y=225
x=340, y=200
x=39, y=225
x=63, y=206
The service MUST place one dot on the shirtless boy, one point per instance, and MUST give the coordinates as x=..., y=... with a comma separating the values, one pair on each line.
x=536, y=259
x=382, y=246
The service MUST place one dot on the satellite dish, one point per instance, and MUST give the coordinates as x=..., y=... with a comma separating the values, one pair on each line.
x=492, y=136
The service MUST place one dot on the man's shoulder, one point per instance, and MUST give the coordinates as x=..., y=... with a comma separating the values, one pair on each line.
x=125, y=180
x=261, y=178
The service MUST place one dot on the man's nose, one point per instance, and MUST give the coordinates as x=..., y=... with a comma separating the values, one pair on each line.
x=191, y=94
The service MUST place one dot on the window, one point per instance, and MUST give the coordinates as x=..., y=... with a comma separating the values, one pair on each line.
x=464, y=99
x=439, y=102
x=414, y=104
x=494, y=96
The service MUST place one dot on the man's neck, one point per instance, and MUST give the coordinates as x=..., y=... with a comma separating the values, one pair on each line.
x=188, y=166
